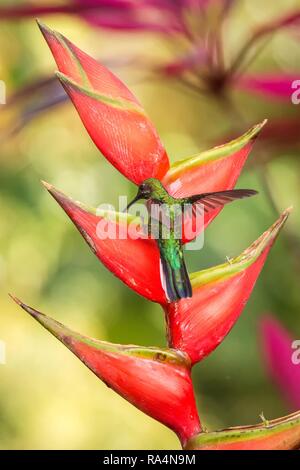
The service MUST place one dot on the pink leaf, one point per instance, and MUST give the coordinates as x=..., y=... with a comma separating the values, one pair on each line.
x=280, y=86
x=278, y=352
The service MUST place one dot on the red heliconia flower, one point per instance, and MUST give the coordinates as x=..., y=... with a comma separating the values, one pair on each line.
x=212, y=170
x=278, y=352
x=157, y=381
x=132, y=257
x=281, y=134
x=111, y=114
x=197, y=325
x=124, y=134
x=278, y=434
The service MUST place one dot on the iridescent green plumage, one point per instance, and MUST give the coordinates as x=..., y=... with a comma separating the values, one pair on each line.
x=166, y=219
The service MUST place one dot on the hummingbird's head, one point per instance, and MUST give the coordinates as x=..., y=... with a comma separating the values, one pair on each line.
x=148, y=189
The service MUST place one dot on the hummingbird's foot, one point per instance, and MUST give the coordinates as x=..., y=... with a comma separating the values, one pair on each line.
x=229, y=260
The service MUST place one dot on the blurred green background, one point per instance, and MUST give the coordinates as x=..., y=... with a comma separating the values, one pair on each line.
x=48, y=399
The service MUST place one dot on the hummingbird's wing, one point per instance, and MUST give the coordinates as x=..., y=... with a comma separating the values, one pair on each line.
x=211, y=201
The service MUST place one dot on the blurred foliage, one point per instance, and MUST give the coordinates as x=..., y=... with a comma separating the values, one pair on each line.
x=47, y=398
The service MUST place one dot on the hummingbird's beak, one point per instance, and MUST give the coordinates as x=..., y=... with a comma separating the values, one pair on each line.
x=137, y=198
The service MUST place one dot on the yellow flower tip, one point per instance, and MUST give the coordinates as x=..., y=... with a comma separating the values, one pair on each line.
x=48, y=186
x=264, y=122
x=255, y=130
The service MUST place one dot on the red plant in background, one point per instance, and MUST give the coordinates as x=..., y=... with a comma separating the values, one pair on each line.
x=195, y=30
x=112, y=14
x=158, y=381
x=198, y=24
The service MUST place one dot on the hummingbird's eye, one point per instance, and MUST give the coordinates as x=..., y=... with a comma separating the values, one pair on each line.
x=144, y=188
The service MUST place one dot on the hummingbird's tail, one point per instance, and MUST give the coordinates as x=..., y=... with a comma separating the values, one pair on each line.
x=176, y=282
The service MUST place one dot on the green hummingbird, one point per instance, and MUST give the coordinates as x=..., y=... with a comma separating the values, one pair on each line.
x=169, y=210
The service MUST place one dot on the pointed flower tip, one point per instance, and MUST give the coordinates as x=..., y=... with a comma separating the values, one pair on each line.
x=263, y=123
x=61, y=76
x=73, y=89
x=54, y=327
x=214, y=170
x=157, y=381
x=66, y=82
x=60, y=197
x=45, y=30
x=267, y=238
x=65, y=201
x=248, y=256
x=15, y=299
x=34, y=313
x=277, y=226
x=251, y=134
x=111, y=114
x=256, y=129
x=42, y=26
x=48, y=186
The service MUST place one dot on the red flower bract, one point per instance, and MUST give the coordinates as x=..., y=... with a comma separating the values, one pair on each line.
x=278, y=434
x=136, y=262
x=121, y=130
x=133, y=260
x=216, y=169
x=157, y=381
x=120, y=244
x=199, y=324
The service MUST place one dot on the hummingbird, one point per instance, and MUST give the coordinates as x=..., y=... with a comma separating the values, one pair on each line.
x=173, y=272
